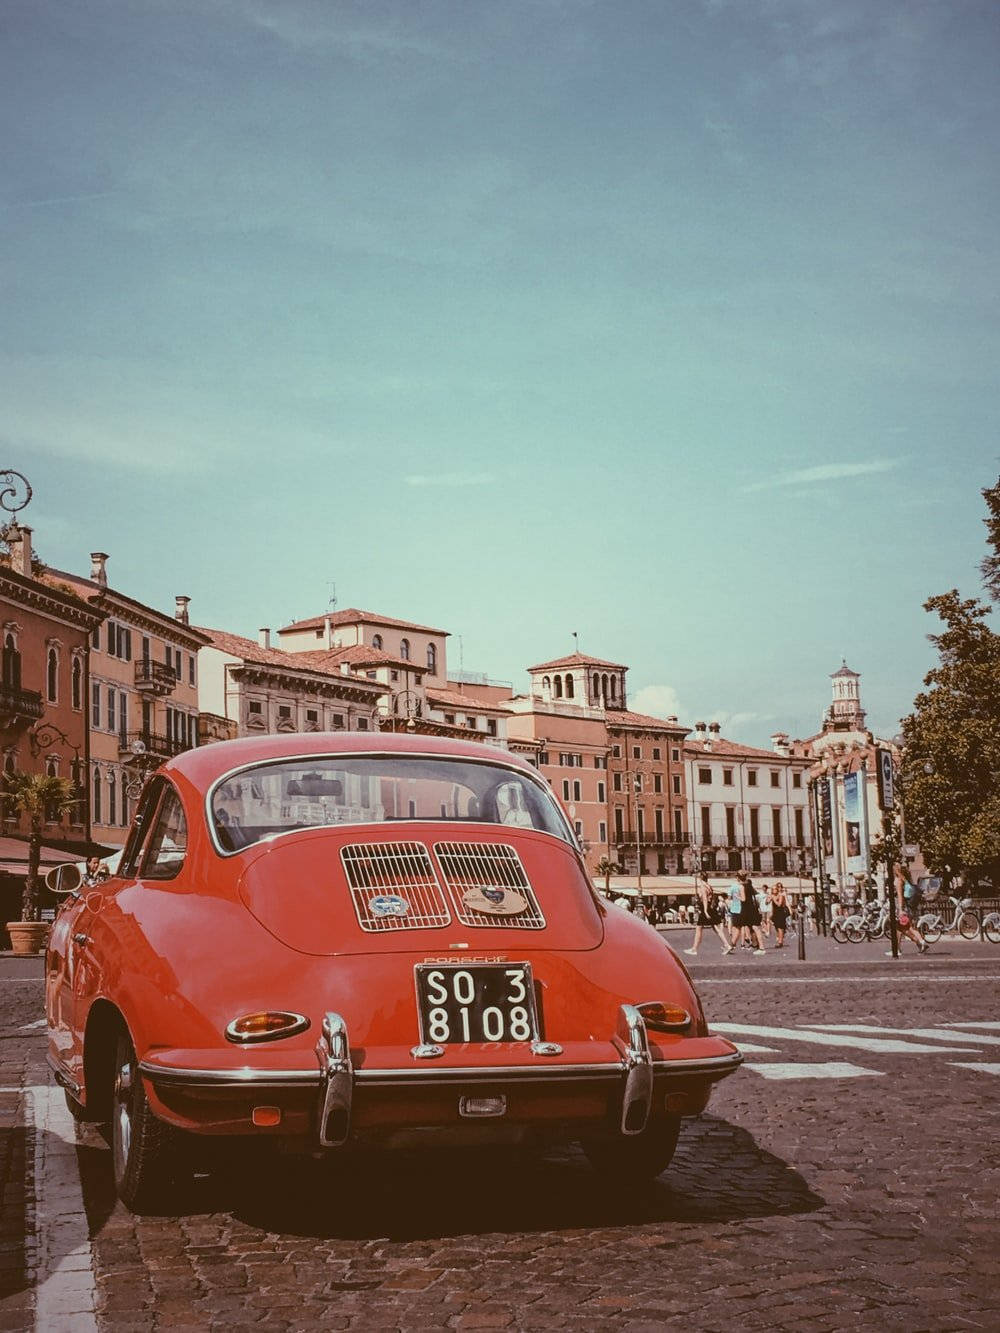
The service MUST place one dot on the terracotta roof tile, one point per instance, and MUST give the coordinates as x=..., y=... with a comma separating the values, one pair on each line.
x=456, y=699
x=578, y=659
x=724, y=749
x=252, y=652
x=352, y=616
x=623, y=717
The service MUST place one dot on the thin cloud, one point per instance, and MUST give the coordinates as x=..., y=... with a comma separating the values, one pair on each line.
x=824, y=472
x=451, y=479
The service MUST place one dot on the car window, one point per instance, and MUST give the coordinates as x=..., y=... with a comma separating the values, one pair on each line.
x=168, y=843
x=270, y=799
x=142, y=823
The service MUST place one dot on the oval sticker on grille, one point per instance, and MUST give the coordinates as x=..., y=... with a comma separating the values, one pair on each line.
x=389, y=904
x=496, y=901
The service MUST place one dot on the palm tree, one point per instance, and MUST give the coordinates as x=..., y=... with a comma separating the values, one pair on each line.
x=606, y=868
x=41, y=797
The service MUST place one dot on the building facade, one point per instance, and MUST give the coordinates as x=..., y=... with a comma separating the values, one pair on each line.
x=748, y=809
x=142, y=698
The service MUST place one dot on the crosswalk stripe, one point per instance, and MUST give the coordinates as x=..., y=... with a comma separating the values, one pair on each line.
x=993, y=1027
x=748, y=1048
x=929, y=1034
x=887, y=1046
x=832, y=1069
x=983, y=1066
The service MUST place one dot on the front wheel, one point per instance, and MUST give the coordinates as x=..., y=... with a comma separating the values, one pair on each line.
x=144, y=1150
x=930, y=928
x=968, y=925
x=837, y=931
x=991, y=927
x=854, y=929
x=633, y=1158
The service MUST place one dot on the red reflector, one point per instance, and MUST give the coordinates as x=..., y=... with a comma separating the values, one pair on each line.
x=266, y=1115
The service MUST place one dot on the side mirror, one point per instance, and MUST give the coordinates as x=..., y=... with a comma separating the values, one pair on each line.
x=63, y=880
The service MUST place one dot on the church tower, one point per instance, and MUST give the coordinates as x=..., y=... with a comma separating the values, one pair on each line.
x=845, y=712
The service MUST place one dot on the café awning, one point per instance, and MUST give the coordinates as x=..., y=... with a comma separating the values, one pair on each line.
x=14, y=857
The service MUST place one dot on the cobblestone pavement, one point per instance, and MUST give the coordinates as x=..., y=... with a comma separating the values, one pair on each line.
x=844, y=1178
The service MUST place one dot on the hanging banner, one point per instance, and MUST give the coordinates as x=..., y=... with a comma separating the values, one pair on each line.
x=825, y=797
x=886, y=783
x=855, y=861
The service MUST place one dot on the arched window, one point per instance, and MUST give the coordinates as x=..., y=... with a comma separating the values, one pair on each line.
x=432, y=659
x=11, y=663
x=95, y=798
x=52, y=812
x=77, y=683
x=112, y=799
x=404, y=649
x=597, y=689
x=546, y=686
x=569, y=686
x=558, y=686
x=614, y=687
x=376, y=640
x=52, y=677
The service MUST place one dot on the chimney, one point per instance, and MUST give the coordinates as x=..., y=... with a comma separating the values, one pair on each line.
x=264, y=638
x=779, y=743
x=19, y=541
x=700, y=729
x=181, y=610
x=715, y=729
x=98, y=572
x=328, y=628
x=345, y=668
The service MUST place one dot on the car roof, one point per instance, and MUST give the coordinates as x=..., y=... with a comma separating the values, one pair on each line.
x=204, y=765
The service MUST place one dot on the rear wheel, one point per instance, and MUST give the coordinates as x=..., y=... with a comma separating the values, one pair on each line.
x=991, y=927
x=145, y=1151
x=854, y=929
x=636, y=1157
x=837, y=931
x=968, y=925
x=930, y=928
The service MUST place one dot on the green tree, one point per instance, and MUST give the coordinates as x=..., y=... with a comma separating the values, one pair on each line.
x=41, y=798
x=606, y=868
x=951, y=761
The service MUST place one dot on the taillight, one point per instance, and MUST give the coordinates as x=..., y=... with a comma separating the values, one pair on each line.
x=269, y=1025
x=664, y=1017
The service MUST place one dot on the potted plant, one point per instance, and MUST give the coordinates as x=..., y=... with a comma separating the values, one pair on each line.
x=41, y=797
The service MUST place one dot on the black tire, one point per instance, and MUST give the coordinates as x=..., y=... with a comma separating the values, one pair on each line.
x=855, y=931
x=837, y=931
x=968, y=925
x=631, y=1159
x=930, y=928
x=145, y=1152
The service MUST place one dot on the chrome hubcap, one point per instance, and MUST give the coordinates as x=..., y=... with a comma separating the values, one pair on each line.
x=123, y=1117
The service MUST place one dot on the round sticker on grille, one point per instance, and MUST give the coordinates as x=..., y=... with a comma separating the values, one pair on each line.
x=496, y=902
x=389, y=904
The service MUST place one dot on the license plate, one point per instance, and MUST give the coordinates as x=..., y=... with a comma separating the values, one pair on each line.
x=494, y=1002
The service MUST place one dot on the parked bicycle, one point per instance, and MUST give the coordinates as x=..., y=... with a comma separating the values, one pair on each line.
x=870, y=923
x=991, y=927
x=932, y=925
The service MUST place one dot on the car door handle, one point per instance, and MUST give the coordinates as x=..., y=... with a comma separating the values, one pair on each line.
x=81, y=939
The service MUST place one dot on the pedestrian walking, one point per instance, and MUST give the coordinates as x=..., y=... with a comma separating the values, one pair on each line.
x=907, y=908
x=734, y=909
x=750, y=917
x=779, y=913
x=708, y=917
x=764, y=907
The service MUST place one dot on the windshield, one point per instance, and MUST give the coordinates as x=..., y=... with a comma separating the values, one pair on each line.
x=315, y=792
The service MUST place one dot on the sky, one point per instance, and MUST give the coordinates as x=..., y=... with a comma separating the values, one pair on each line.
x=671, y=325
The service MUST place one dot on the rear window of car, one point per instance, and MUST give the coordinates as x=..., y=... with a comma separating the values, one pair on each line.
x=315, y=792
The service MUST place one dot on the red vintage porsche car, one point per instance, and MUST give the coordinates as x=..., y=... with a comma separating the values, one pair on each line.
x=341, y=939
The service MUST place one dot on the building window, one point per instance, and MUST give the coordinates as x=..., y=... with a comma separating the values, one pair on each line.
x=706, y=824
x=95, y=637
x=77, y=683
x=124, y=637
x=372, y=675
x=600, y=761
x=450, y=718
x=95, y=799
x=191, y=669
x=404, y=649
x=111, y=638
x=52, y=677
x=616, y=751
x=602, y=832
x=675, y=755
x=678, y=828
x=11, y=664
x=393, y=675
x=122, y=717
x=565, y=789
x=177, y=663
x=112, y=704
x=543, y=757
x=569, y=686
x=657, y=783
x=95, y=705
x=285, y=710
x=616, y=781
x=432, y=659
x=576, y=790
x=338, y=721
x=799, y=830
x=775, y=778
x=112, y=799
x=656, y=752
x=491, y=726
x=578, y=826
x=704, y=776
x=751, y=777
x=727, y=777
x=797, y=780
x=255, y=707
x=636, y=751
x=731, y=826
x=601, y=792
x=376, y=640
x=619, y=823
x=362, y=724
x=677, y=784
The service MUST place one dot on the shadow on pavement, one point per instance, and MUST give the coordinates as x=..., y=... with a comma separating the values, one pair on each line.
x=719, y=1174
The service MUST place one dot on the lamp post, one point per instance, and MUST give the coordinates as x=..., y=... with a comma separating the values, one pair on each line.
x=636, y=789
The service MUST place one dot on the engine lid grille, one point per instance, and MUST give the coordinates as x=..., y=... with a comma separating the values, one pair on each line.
x=393, y=886
x=488, y=885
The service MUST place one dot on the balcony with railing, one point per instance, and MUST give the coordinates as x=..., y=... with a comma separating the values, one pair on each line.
x=135, y=744
x=155, y=678
x=653, y=839
x=19, y=707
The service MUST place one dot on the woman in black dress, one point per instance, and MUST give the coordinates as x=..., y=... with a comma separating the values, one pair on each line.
x=779, y=913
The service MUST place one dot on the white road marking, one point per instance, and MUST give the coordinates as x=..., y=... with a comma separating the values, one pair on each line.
x=65, y=1296
x=993, y=1027
x=834, y=1069
x=748, y=1048
x=984, y=1067
x=886, y=1045
x=28, y=1027
x=929, y=1034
